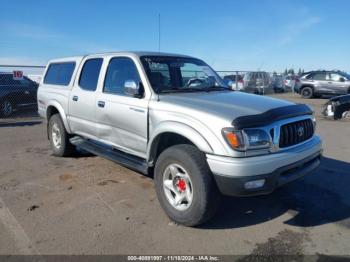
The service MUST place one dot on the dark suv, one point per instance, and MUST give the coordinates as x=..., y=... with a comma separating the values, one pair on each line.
x=16, y=94
x=317, y=83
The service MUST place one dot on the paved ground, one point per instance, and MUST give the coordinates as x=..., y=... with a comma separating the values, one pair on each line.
x=88, y=205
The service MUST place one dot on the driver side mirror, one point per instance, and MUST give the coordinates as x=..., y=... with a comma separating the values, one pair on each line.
x=342, y=79
x=133, y=88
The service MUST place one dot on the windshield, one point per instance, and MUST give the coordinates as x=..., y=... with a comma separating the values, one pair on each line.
x=169, y=74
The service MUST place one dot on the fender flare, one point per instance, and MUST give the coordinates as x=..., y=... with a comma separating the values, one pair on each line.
x=60, y=109
x=307, y=85
x=181, y=129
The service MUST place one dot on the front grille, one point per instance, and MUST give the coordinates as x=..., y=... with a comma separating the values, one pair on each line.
x=296, y=132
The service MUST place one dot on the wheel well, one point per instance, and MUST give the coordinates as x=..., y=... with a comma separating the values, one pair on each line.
x=307, y=86
x=164, y=141
x=51, y=110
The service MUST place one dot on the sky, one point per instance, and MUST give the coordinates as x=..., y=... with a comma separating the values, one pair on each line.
x=267, y=35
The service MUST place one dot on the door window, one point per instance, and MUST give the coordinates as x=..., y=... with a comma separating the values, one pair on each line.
x=335, y=77
x=319, y=76
x=90, y=73
x=120, y=70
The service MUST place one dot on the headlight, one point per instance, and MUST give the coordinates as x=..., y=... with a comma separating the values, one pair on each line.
x=257, y=138
x=247, y=139
x=314, y=120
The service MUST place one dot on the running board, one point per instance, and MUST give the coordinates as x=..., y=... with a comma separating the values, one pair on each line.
x=106, y=151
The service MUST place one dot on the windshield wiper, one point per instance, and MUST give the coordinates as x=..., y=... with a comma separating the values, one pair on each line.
x=182, y=90
x=192, y=89
x=216, y=88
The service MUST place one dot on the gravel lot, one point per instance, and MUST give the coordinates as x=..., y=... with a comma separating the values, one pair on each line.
x=88, y=205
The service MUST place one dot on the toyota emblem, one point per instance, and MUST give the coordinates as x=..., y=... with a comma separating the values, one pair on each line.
x=300, y=131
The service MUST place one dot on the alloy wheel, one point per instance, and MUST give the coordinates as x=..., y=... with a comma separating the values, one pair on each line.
x=56, y=136
x=177, y=187
x=6, y=108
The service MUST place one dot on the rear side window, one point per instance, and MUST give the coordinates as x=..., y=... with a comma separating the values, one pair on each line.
x=319, y=76
x=59, y=73
x=90, y=73
x=309, y=76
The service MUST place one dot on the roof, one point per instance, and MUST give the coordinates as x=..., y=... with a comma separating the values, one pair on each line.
x=141, y=53
x=322, y=71
x=128, y=53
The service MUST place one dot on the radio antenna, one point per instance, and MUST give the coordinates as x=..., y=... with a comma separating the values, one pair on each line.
x=159, y=32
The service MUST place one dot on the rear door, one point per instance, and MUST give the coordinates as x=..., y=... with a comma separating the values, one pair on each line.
x=82, y=100
x=122, y=120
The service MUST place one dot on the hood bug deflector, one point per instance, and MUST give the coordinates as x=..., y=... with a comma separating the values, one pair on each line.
x=271, y=116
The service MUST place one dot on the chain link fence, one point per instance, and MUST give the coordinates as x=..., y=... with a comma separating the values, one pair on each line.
x=259, y=82
x=19, y=84
x=18, y=91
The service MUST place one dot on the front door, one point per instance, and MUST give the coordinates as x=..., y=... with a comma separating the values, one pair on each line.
x=122, y=119
x=338, y=83
x=82, y=100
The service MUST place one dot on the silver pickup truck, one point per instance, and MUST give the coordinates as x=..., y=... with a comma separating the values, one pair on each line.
x=172, y=117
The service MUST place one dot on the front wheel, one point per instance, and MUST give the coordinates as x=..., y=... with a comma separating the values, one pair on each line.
x=6, y=108
x=185, y=187
x=59, y=138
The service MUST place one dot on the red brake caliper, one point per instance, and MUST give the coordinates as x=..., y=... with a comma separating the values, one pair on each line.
x=181, y=184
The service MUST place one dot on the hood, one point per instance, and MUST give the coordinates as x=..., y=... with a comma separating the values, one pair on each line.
x=227, y=104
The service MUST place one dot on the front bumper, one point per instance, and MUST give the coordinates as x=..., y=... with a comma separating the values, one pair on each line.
x=231, y=174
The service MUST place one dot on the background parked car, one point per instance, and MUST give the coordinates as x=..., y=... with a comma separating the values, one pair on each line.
x=337, y=107
x=318, y=83
x=279, y=84
x=236, y=81
x=16, y=94
x=257, y=83
x=290, y=81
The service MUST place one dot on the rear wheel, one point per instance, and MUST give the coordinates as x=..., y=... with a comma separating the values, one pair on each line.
x=6, y=108
x=307, y=92
x=59, y=138
x=346, y=115
x=185, y=187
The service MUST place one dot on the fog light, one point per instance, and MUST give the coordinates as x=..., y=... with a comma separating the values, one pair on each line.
x=254, y=184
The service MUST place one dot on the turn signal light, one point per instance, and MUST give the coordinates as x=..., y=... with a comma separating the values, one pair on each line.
x=234, y=138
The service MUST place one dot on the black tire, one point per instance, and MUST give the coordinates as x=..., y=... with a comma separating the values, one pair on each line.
x=307, y=92
x=206, y=197
x=65, y=148
x=6, y=108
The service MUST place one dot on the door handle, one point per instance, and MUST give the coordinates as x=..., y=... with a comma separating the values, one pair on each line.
x=101, y=104
x=75, y=98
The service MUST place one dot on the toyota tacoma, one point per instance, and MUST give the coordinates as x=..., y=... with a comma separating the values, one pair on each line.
x=172, y=117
